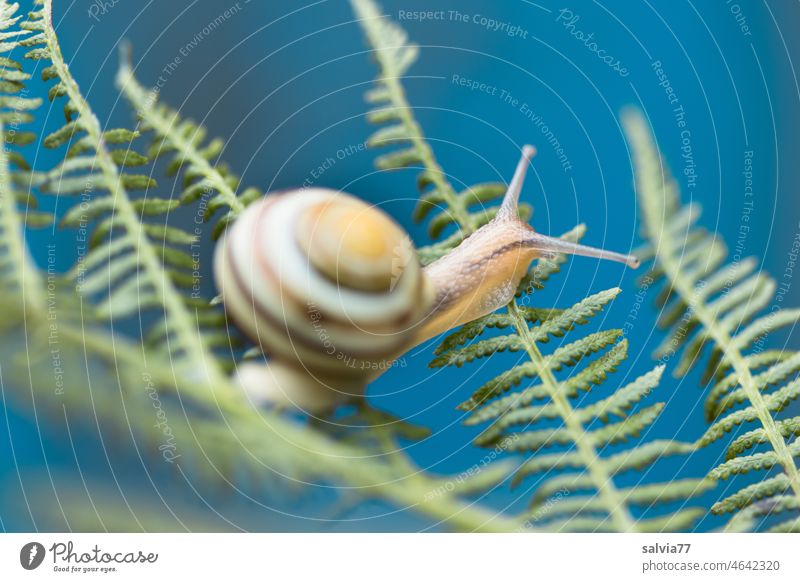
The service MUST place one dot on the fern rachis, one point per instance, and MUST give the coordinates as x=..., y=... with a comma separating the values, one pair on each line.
x=718, y=307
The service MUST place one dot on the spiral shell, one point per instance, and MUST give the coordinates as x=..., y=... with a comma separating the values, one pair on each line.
x=324, y=283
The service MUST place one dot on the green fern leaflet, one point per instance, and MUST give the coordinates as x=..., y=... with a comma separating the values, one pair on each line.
x=708, y=306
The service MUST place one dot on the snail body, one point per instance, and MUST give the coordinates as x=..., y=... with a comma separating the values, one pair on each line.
x=332, y=290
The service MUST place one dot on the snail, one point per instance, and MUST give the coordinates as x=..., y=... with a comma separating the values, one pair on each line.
x=332, y=290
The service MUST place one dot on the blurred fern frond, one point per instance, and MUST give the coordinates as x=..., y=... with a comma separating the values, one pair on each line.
x=63, y=370
x=16, y=110
x=18, y=272
x=204, y=177
x=561, y=502
x=65, y=502
x=132, y=264
x=709, y=306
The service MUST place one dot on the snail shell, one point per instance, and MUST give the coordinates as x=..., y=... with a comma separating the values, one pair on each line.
x=328, y=286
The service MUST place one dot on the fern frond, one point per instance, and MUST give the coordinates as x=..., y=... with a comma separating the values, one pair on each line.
x=268, y=446
x=554, y=326
x=101, y=507
x=568, y=355
x=203, y=176
x=754, y=514
x=19, y=275
x=96, y=360
x=138, y=265
x=16, y=110
x=527, y=328
x=394, y=54
x=715, y=308
x=585, y=431
x=594, y=373
x=271, y=444
x=18, y=272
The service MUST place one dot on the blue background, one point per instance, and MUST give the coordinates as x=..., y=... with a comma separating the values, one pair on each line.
x=284, y=83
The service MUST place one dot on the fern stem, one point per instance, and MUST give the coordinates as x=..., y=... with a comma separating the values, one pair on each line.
x=452, y=512
x=180, y=319
x=165, y=128
x=390, y=76
x=602, y=478
x=396, y=481
x=665, y=255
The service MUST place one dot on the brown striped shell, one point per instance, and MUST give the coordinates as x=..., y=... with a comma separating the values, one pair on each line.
x=324, y=283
